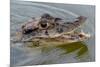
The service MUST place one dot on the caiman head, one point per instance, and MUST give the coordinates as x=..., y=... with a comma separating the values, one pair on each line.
x=47, y=26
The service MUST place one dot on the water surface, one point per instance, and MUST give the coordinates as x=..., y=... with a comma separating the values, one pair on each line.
x=21, y=11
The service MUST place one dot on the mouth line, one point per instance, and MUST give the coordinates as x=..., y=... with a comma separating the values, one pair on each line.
x=68, y=36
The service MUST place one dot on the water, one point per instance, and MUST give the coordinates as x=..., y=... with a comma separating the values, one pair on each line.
x=21, y=11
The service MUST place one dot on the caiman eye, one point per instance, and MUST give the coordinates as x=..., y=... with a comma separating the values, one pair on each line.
x=43, y=25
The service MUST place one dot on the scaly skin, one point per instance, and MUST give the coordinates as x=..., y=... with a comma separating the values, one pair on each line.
x=51, y=29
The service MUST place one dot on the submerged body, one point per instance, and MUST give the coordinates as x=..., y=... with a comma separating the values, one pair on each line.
x=51, y=29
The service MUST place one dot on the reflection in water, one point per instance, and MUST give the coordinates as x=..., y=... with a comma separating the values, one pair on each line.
x=65, y=53
x=80, y=47
x=73, y=47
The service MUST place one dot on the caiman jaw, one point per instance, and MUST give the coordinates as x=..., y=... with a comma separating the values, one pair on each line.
x=80, y=36
x=59, y=40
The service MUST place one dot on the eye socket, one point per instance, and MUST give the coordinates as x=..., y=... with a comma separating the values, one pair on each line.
x=44, y=25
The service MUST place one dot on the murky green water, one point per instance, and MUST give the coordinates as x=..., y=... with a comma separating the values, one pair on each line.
x=65, y=53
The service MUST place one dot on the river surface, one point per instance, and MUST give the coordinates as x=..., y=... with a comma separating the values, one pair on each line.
x=21, y=11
